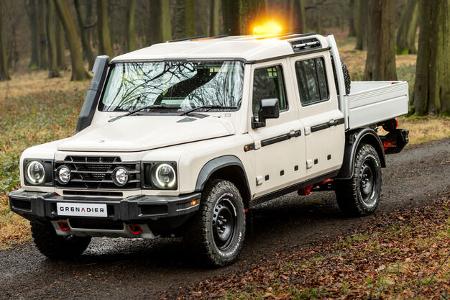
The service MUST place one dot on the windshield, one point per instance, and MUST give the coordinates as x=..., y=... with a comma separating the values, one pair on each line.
x=181, y=85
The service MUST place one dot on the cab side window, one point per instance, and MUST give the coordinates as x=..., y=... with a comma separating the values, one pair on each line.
x=269, y=83
x=312, y=81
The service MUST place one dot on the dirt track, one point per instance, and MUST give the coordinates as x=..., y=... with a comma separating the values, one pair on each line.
x=143, y=269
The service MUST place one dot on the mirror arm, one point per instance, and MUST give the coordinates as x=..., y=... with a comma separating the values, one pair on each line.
x=258, y=124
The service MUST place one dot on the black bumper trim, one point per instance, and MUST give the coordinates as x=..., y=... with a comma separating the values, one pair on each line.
x=33, y=205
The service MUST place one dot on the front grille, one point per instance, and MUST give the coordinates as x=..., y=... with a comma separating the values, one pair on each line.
x=94, y=172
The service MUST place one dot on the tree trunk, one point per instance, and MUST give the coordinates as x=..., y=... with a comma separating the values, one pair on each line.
x=104, y=36
x=61, y=45
x=154, y=31
x=406, y=35
x=42, y=33
x=132, y=39
x=32, y=16
x=432, y=87
x=73, y=39
x=351, y=20
x=231, y=17
x=4, y=73
x=87, y=47
x=380, y=62
x=214, y=18
x=362, y=19
x=53, y=69
x=297, y=16
x=166, y=24
x=189, y=18
x=178, y=28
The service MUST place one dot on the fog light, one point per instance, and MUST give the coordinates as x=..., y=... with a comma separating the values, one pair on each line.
x=120, y=176
x=63, y=174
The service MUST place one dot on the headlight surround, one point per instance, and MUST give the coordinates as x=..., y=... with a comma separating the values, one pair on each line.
x=38, y=172
x=160, y=176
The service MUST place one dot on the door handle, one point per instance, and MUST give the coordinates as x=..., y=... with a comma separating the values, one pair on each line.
x=332, y=122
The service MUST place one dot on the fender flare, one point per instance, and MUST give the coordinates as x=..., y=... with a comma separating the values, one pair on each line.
x=352, y=142
x=216, y=164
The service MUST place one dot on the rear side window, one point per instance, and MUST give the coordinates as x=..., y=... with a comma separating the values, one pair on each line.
x=312, y=81
x=269, y=83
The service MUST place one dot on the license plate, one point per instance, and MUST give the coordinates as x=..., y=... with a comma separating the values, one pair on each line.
x=81, y=209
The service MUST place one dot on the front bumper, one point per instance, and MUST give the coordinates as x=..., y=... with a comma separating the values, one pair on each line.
x=133, y=209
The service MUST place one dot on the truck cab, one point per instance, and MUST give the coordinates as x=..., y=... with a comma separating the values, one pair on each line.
x=184, y=138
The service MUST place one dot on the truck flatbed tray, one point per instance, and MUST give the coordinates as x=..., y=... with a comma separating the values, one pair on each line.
x=371, y=102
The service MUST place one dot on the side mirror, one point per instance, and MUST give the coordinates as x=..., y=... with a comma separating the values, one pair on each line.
x=269, y=110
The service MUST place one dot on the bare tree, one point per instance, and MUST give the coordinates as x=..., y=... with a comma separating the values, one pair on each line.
x=4, y=73
x=104, y=36
x=361, y=20
x=432, y=87
x=297, y=16
x=189, y=18
x=85, y=42
x=231, y=17
x=35, y=49
x=380, y=62
x=166, y=25
x=131, y=32
x=406, y=34
x=42, y=34
x=214, y=18
x=73, y=39
x=53, y=69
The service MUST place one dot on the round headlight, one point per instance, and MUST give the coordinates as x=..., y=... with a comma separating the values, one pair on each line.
x=63, y=174
x=35, y=173
x=120, y=176
x=164, y=176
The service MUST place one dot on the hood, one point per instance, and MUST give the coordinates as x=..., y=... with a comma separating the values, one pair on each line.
x=139, y=133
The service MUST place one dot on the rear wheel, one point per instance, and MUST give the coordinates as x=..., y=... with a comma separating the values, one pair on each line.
x=360, y=195
x=217, y=232
x=54, y=246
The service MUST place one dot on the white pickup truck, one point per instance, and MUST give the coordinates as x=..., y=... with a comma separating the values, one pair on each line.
x=183, y=138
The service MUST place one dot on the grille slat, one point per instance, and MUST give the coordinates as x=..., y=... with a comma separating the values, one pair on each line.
x=94, y=172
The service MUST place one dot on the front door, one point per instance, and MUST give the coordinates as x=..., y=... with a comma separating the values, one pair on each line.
x=279, y=146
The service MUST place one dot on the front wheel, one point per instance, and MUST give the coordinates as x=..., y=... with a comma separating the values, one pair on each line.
x=360, y=195
x=217, y=232
x=54, y=246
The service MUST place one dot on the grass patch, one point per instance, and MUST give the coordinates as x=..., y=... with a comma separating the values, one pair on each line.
x=425, y=129
x=34, y=110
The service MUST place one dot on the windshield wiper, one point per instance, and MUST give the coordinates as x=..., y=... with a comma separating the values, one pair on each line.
x=207, y=108
x=152, y=106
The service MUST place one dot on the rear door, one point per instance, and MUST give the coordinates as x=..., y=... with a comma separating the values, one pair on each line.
x=319, y=112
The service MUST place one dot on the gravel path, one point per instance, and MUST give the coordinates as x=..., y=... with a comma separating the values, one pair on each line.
x=119, y=268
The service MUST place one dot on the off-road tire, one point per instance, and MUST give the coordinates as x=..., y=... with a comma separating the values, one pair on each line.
x=202, y=235
x=354, y=196
x=347, y=79
x=54, y=246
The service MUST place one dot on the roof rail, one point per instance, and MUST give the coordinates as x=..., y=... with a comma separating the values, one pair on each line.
x=199, y=37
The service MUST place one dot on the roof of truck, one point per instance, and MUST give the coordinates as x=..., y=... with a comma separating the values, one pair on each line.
x=247, y=48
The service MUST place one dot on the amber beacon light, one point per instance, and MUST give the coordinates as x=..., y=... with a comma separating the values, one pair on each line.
x=267, y=28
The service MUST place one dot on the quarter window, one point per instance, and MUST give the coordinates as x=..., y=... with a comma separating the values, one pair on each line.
x=312, y=81
x=268, y=83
